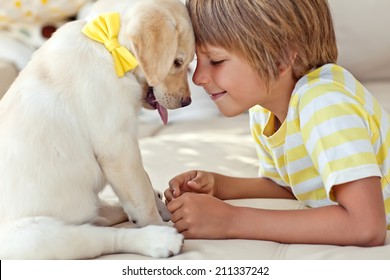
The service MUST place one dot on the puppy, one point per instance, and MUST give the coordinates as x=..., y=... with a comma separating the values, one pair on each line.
x=68, y=128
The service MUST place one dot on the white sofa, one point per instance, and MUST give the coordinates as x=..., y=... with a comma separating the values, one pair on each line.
x=199, y=138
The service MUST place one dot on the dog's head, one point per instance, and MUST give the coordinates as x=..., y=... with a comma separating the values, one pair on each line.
x=162, y=40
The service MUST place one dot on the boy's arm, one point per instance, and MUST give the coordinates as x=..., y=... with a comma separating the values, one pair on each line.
x=224, y=187
x=227, y=187
x=359, y=219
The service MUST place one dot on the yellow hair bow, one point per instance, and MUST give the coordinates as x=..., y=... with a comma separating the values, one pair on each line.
x=104, y=29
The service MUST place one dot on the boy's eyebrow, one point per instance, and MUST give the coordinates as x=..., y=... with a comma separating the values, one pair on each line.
x=214, y=53
x=202, y=50
x=209, y=52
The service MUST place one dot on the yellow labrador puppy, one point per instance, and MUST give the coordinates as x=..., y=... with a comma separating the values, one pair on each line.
x=68, y=127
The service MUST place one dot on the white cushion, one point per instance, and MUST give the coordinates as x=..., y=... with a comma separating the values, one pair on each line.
x=363, y=35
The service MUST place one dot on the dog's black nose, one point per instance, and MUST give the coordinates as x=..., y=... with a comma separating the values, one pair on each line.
x=186, y=101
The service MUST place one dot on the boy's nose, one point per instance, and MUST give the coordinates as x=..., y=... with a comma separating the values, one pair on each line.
x=199, y=77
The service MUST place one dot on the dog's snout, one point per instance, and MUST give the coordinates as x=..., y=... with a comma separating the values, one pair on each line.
x=186, y=101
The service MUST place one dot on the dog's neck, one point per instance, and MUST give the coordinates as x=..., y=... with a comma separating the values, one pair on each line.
x=140, y=76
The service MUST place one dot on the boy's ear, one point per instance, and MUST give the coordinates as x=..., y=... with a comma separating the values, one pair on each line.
x=285, y=66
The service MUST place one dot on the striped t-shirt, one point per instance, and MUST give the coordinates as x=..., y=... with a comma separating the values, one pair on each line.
x=335, y=132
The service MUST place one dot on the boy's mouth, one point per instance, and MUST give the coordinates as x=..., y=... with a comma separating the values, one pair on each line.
x=215, y=96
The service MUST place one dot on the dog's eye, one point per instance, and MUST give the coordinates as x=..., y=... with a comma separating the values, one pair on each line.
x=178, y=63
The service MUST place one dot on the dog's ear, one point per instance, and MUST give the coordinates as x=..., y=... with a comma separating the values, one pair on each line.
x=154, y=36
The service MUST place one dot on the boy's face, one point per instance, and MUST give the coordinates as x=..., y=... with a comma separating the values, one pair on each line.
x=229, y=80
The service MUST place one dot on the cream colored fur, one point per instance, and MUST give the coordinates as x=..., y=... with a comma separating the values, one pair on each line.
x=68, y=127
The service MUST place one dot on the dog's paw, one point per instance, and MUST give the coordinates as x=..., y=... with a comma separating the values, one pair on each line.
x=161, y=207
x=159, y=241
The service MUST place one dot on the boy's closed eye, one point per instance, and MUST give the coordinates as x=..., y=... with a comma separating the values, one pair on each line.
x=216, y=62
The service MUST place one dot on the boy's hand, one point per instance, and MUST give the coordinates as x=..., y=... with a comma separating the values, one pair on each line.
x=202, y=216
x=192, y=181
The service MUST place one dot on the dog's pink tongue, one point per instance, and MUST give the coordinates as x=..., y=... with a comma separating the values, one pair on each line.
x=163, y=113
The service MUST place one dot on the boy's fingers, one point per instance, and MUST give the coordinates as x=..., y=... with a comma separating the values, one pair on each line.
x=174, y=205
x=199, y=181
x=197, y=177
x=168, y=195
x=179, y=184
x=185, y=182
x=174, y=188
x=193, y=185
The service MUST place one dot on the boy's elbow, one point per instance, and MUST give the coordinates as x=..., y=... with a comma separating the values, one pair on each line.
x=371, y=236
x=376, y=239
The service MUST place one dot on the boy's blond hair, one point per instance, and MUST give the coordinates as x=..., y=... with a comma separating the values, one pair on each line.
x=269, y=34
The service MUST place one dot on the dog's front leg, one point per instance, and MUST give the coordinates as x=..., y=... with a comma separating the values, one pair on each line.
x=128, y=179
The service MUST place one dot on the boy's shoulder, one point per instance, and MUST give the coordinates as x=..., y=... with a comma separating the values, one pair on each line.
x=328, y=81
x=328, y=74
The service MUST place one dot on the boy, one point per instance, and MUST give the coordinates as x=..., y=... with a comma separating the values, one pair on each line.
x=320, y=136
